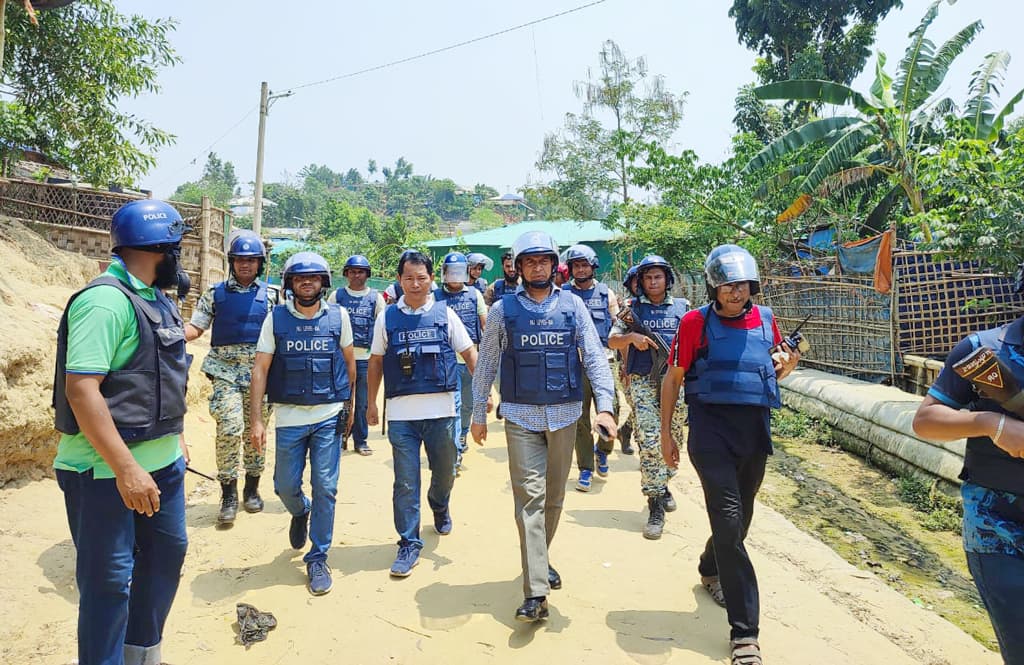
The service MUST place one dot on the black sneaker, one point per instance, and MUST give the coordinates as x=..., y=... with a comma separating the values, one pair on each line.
x=554, y=579
x=532, y=609
x=297, y=531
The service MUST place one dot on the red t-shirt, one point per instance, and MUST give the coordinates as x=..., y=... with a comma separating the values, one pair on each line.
x=688, y=337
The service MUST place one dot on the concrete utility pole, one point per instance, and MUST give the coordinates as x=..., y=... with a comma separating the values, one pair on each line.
x=257, y=198
x=266, y=99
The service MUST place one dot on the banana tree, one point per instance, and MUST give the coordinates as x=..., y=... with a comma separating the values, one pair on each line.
x=889, y=127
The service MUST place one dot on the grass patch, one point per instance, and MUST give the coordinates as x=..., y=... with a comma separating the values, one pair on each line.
x=938, y=511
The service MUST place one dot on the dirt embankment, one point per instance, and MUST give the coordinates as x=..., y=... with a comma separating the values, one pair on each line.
x=36, y=280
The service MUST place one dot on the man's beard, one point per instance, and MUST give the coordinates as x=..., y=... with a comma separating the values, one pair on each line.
x=167, y=271
x=543, y=284
x=306, y=302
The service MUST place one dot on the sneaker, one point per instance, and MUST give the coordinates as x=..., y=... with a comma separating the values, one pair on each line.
x=443, y=522
x=319, y=577
x=408, y=557
x=602, y=462
x=554, y=579
x=297, y=531
x=668, y=501
x=364, y=450
x=583, y=484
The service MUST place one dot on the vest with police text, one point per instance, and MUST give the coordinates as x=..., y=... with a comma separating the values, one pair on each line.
x=596, y=300
x=360, y=314
x=735, y=366
x=238, y=315
x=419, y=343
x=662, y=320
x=464, y=304
x=541, y=362
x=308, y=366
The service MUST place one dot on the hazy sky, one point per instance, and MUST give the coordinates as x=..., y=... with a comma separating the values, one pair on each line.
x=475, y=114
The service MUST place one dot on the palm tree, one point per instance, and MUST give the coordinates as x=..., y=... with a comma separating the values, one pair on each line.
x=891, y=125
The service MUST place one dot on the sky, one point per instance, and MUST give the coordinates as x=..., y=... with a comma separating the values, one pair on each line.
x=478, y=113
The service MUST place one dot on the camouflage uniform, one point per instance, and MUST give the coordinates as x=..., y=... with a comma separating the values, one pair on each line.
x=645, y=394
x=229, y=368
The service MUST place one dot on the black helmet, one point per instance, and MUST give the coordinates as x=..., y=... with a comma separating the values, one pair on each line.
x=654, y=261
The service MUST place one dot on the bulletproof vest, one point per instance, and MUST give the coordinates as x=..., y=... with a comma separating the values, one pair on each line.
x=399, y=291
x=502, y=287
x=238, y=315
x=541, y=363
x=662, y=320
x=464, y=304
x=596, y=300
x=985, y=463
x=146, y=397
x=419, y=359
x=308, y=365
x=360, y=314
x=735, y=366
x=480, y=284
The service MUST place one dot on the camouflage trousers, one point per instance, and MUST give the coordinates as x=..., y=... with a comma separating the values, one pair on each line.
x=644, y=393
x=229, y=406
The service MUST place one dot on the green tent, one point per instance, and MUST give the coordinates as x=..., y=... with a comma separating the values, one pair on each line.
x=494, y=242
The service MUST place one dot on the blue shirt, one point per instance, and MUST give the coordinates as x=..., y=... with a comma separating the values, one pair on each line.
x=540, y=417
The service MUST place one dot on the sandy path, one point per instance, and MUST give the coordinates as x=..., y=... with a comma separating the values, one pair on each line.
x=625, y=599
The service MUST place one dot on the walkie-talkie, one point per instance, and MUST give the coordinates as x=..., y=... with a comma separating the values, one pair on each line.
x=407, y=362
x=795, y=340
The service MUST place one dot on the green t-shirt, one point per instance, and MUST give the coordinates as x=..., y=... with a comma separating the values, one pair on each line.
x=103, y=335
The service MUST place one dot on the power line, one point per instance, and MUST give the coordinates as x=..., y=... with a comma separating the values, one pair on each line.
x=450, y=47
x=206, y=150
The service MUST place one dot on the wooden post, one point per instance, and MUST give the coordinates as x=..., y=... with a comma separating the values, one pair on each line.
x=204, y=258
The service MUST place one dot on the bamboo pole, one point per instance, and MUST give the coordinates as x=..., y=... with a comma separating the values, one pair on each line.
x=204, y=256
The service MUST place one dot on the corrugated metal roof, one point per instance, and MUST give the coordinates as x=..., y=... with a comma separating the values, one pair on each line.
x=565, y=232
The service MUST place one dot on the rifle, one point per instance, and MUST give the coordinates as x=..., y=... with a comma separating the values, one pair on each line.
x=660, y=352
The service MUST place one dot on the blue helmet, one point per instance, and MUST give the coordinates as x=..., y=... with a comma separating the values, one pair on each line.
x=654, y=261
x=145, y=223
x=728, y=264
x=357, y=261
x=581, y=252
x=455, y=268
x=628, y=279
x=247, y=244
x=480, y=259
x=306, y=263
x=533, y=243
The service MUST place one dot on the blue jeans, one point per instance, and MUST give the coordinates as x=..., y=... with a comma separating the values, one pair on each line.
x=360, y=430
x=1000, y=581
x=293, y=444
x=128, y=565
x=405, y=437
x=464, y=405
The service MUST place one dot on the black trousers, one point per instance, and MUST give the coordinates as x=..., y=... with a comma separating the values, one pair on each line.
x=730, y=484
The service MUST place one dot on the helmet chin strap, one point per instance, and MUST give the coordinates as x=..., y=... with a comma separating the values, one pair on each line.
x=541, y=285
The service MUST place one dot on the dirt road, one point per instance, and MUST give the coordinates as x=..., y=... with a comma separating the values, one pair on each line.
x=625, y=599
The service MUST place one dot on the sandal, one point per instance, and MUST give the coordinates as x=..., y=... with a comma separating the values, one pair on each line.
x=745, y=651
x=364, y=450
x=714, y=588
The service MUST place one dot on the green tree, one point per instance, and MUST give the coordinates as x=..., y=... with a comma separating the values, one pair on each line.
x=218, y=182
x=590, y=161
x=809, y=39
x=894, y=123
x=67, y=76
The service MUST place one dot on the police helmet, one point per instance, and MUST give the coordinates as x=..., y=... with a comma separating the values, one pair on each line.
x=306, y=263
x=454, y=268
x=479, y=259
x=654, y=261
x=533, y=243
x=581, y=252
x=728, y=264
x=145, y=223
x=357, y=261
x=628, y=279
x=247, y=244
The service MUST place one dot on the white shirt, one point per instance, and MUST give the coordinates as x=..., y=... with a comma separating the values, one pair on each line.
x=294, y=415
x=430, y=405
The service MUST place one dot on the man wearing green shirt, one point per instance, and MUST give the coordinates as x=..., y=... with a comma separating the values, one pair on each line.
x=119, y=400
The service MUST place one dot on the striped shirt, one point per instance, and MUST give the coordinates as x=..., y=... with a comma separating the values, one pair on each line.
x=541, y=417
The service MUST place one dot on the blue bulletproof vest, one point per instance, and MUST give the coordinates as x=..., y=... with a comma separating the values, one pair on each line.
x=662, y=320
x=596, y=300
x=308, y=366
x=397, y=288
x=360, y=314
x=480, y=284
x=541, y=363
x=985, y=463
x=735, y=366
x=425, y=338
x=464, y=304
x=238, y=315
x=503, y=287
x=146, y=397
